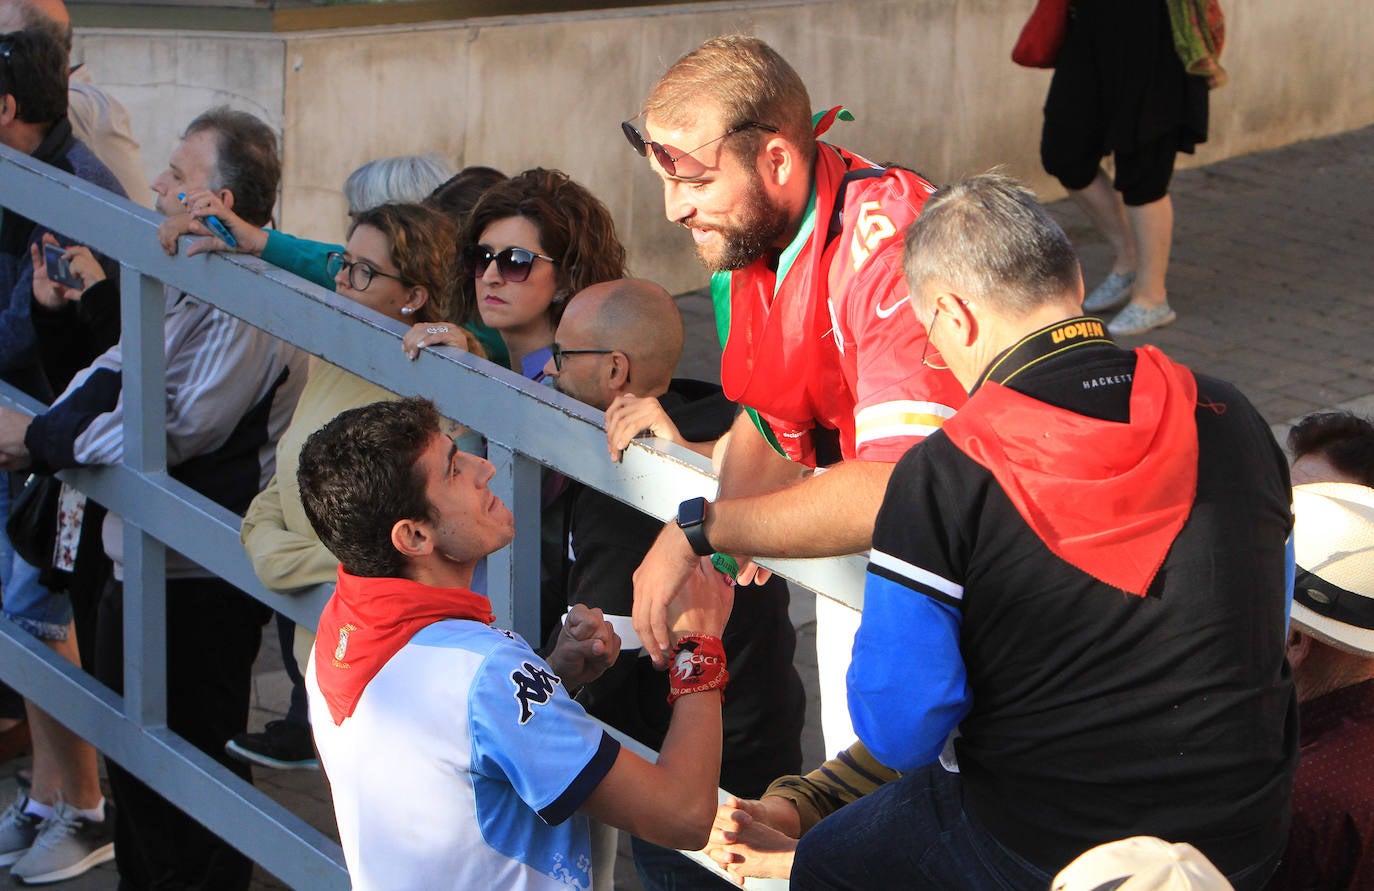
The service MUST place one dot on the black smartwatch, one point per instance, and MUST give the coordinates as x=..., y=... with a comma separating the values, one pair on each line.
x=691, y=519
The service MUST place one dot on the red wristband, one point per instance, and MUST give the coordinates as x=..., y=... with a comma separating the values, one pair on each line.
x=698, y=665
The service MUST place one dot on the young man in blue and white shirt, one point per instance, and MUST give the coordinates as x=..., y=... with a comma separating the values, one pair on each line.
x=491, y=768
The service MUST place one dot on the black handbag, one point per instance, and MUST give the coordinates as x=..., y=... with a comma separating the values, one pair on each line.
x=32, y=524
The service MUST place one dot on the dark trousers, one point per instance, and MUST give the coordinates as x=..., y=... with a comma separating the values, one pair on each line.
x=663, y=869
x=298, y=712
x=914, y=833
x=213, y=634
x=911, y=833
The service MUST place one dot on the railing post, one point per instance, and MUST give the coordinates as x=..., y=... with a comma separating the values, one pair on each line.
x=513, y=572
x=145, y=451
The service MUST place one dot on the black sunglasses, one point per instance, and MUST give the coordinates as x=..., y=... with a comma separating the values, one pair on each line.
x=512, y=263
x=665, y=158
x=360, y=274
x=559, y=353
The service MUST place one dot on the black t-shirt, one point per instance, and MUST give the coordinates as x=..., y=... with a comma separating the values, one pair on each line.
x=1098, y=715
x=764, y=702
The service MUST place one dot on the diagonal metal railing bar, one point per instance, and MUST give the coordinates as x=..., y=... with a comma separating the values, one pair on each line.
x=505, y=407
x=527, y=426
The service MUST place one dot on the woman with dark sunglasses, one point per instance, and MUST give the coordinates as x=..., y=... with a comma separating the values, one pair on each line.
x=530, y=243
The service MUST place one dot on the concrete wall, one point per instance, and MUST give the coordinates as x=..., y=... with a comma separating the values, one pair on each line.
x=930, y=81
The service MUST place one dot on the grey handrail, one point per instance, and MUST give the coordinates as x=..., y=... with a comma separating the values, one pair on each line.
x=526, y=425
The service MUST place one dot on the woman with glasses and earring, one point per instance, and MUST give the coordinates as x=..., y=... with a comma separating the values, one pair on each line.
x=530, y=243
x=399, y=261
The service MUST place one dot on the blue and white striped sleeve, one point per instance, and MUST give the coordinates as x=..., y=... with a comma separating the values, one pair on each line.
x=907, y=684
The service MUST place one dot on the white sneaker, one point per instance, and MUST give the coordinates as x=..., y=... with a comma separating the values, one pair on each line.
x=1114, y=291
x=1137, y=319
x=17, y=830
x=68, y=845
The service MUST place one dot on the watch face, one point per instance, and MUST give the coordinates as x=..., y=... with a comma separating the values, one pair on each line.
x=691, y=512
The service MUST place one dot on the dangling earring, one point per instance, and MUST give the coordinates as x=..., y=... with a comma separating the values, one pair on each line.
x=407, y=310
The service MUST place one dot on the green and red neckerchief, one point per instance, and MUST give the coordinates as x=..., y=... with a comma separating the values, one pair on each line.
x=368, y=620
x=1107, y=497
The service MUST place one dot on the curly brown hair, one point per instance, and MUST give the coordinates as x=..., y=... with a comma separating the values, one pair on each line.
x=422, y=242
x=574, y=227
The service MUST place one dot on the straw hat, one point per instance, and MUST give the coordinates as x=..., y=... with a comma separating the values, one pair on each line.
x=1333, y=540
x=1143, y=863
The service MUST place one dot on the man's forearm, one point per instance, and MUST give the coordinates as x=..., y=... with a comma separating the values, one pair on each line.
x=825, y=515
x=752, y=466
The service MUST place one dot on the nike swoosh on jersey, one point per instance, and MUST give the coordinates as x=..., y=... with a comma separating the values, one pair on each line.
x=885, y=311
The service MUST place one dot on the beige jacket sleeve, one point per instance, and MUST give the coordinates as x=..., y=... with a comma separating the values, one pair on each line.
x=284, y=561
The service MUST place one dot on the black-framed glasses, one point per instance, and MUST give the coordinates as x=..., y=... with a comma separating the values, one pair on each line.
x=513, y=263
x=666, y=159
x=559, y=353
x=360, y=273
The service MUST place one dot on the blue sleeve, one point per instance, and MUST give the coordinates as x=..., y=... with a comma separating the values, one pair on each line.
x=527, y=730
x=51, y=436
x=17, y=335
x=308, y=259
x=907, y=684
x=1290, y=574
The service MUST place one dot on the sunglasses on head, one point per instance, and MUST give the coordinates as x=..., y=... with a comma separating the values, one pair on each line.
x=513, y=263
x=666, y=159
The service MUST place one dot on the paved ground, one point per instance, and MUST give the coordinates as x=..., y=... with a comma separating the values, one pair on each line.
x=1271, y=279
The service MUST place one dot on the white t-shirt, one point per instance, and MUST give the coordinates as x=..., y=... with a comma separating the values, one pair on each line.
x=462, y=767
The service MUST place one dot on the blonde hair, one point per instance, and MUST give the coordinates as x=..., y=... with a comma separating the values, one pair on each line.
x=746, y=80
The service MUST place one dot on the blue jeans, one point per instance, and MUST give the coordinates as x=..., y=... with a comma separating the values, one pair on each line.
x=911, y=833
x=23, y=599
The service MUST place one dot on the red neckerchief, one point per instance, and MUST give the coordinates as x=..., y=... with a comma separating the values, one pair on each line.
x=368, y=620
x=1108, y=498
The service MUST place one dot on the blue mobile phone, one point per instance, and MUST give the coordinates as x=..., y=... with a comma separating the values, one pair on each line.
x=215, y=225
x=59, y=270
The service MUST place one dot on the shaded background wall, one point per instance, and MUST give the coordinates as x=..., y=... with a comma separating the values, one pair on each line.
x=930, y=81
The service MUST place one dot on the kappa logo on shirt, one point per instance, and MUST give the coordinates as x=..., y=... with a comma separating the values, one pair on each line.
x=533, y=686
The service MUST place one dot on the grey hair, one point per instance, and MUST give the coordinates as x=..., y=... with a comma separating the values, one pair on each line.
x=990, y=238
x=405, y=179
x=30, y=17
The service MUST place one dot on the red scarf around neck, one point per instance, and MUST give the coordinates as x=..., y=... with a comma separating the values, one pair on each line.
x=1107, y=497
x=368, y=620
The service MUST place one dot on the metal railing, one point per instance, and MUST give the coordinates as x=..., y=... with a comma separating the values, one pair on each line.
x=527, y=426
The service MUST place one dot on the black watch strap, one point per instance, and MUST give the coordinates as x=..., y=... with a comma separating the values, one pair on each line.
x=691, y=519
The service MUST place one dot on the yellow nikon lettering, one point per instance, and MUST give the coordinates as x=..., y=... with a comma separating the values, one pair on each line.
x=1077, y=329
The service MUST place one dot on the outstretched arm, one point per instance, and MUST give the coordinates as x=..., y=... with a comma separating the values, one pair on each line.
x=822, y=515
x=632, y=796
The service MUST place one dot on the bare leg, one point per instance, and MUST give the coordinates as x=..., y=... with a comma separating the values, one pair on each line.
x=62, y=761
x=1153, y=225
x=1103, y=206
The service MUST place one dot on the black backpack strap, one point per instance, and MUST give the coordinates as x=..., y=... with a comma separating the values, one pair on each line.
x=837, y=216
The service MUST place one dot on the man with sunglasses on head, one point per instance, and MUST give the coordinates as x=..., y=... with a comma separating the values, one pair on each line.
x=803, y=240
